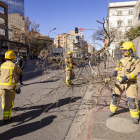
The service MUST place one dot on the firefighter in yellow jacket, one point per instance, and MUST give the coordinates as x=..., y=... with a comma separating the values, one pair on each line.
x=8, y=82
x=126, y=72
x=69, y=66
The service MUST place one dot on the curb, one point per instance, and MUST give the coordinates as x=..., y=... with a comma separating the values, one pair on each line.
x=76, y=127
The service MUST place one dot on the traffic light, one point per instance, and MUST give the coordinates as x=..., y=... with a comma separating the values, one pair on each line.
x=76, y=30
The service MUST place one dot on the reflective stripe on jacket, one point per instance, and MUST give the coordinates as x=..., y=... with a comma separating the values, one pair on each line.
x=128, y=66
x=69, y=63
x=9, y=72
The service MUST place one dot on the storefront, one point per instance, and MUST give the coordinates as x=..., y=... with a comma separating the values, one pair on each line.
x=14, y=46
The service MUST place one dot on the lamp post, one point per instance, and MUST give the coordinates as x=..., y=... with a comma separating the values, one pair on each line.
x=51, y=30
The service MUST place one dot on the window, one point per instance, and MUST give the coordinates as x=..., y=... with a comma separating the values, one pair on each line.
x=2, y=10
x=14, y=32
x=119, y=23
x=119, y=13
x=130, y=22
x=130, y=12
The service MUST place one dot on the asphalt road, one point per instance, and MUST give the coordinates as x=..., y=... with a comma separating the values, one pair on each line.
x=45, y=109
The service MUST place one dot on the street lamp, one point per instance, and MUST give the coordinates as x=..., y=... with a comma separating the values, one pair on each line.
x=51, y=30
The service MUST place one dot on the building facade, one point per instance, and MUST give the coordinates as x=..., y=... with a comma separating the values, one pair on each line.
x=67, y=40
x=3, y=20
x=136, y=17
x=16, y=25
x=61, y=40
x=15, y=6
x=120, y=19
x=91, y=49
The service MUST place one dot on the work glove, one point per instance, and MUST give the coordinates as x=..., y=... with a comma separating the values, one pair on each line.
x=22, y=68
x=18, y=90
x=124, y=80
x=115, y=73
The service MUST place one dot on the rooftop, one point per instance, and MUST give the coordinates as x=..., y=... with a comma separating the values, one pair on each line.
x=121, y=4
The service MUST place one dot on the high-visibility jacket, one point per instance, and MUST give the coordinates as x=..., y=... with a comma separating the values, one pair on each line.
x=9, y=72
x=128, y=66
x=69, y=63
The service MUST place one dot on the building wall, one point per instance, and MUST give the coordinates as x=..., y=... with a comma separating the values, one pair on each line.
x=4, y=20
x=17, y=20
x=91, y=49
x=62, y=39
x=136, y=16
x=115, y=15
x=120, y=11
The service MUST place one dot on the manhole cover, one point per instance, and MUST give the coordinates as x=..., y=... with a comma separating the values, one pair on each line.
x=121, y=125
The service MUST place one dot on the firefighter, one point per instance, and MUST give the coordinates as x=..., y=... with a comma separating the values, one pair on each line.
x=8, y=82
x=126, y=72
x=69, y=68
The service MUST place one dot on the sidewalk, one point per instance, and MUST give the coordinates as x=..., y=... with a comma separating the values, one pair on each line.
x=98, y=126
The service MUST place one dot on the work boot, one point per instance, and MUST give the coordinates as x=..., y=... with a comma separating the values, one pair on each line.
x=110, y=114
x=5, y=122
x=21, y=83
x=135, y=121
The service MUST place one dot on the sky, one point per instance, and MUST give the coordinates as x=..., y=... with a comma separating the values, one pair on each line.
x=65, y=15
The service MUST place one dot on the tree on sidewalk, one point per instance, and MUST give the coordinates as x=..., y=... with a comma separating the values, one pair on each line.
x=31, y=34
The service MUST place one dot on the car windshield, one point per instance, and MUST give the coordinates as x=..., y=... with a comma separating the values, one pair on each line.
x=56, y=54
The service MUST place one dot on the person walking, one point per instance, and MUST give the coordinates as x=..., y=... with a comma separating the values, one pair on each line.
x=8, y=82
x=127, y=70
x=20, y=61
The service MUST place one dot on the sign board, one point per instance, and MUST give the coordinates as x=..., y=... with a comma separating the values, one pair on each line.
x=81, y=29
x=105, y=42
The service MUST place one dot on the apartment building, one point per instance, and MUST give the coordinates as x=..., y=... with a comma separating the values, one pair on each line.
x=67, y=40
x=136, y=16
x=120, y=19
x=61, y=40
x=91, y=49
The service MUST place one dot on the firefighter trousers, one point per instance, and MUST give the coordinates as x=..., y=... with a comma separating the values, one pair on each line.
x=131, y=89
x=7, y=102
x=69, y=76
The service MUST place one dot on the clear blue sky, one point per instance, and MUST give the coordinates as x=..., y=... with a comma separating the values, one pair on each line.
x=67, y=14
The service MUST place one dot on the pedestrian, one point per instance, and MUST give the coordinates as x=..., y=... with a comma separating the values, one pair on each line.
x=39, y=58
x=25, y=59
x=8, y=82
x=20, y=61
x=127, y=70
x=69, y=68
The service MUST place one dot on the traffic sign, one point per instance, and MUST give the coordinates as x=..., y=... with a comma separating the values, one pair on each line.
x=81, y=29
x=105, y=42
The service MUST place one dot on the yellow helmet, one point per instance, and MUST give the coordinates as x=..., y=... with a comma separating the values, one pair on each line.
x=10, y=55
x=129, y=46
x=69, y=52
